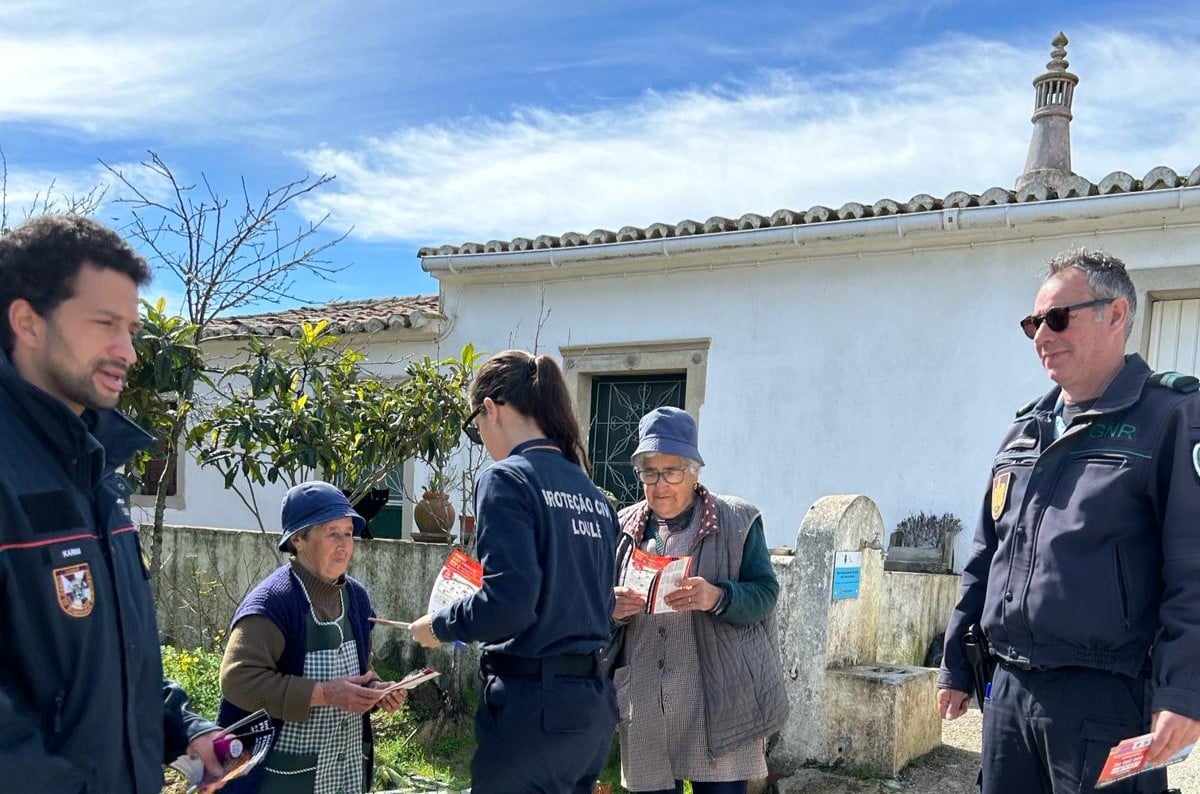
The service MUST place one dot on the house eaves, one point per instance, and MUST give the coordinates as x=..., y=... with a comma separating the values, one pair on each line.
x=1162, y=198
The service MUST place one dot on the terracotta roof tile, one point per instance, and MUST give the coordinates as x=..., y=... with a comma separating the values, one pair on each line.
x=1159, y=178
x=345, y=317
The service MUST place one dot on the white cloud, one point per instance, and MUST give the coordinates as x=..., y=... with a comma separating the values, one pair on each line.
x=126, y=68
x=953, y=115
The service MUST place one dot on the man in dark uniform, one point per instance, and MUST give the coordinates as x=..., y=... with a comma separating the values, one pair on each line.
x=83, y=705
x=1085, y=570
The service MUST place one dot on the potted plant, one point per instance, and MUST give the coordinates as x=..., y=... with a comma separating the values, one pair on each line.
x=435, y=406
x=433, y=513
x=923, y=544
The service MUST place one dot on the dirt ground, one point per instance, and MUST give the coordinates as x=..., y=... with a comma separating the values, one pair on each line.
x=950, y=769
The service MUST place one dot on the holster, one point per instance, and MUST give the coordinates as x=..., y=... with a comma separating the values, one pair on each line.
x=979, y=656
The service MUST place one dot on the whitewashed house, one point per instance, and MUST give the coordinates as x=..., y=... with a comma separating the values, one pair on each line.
x=870, y=348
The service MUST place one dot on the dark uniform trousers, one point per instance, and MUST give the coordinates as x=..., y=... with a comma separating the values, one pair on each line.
x=1034, y=719
x=543, y=725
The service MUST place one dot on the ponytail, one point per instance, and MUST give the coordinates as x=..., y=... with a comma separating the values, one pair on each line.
x=535, y=387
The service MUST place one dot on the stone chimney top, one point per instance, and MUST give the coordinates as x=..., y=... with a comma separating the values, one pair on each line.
x=1049, y=160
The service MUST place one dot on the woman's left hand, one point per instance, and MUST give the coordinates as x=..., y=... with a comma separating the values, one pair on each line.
x=694, y=592
x=393, y=700
x=422, y=632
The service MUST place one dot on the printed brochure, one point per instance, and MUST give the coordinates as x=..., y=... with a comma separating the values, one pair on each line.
x=1128, y=758
x=461, y=576
x=656, y=577
x=411, y=681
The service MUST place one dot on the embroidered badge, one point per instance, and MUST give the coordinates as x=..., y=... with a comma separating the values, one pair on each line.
x=75, y=591
x=1196, y=459
x=1000, y=485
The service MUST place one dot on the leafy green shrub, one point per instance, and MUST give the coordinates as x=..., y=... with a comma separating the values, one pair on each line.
x=198, y=672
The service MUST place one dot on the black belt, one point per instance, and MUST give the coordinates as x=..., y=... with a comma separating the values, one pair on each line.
x=567, y=664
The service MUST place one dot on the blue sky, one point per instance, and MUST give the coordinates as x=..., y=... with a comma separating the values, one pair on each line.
x=449, y=122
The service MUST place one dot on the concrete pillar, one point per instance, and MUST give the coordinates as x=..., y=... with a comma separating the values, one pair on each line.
x=845, y=708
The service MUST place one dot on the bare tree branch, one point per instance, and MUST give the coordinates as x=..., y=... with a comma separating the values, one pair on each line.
x=226, y=256
x=46, y=202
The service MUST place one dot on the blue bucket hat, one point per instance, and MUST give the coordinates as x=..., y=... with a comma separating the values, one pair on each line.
x=312, y=503
x=668, y=431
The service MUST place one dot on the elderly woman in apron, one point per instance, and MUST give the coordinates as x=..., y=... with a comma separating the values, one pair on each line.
x=299, y=646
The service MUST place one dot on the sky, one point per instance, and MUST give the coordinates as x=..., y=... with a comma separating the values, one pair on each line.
x=453, y=122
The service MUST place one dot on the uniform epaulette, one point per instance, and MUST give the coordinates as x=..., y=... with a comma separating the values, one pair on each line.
x=1176, y=381
x=1027, y=407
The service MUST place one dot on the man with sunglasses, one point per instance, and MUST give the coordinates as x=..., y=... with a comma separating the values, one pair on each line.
x=1085, y=570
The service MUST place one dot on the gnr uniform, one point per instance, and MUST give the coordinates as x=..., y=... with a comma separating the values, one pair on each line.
x=1085, y=576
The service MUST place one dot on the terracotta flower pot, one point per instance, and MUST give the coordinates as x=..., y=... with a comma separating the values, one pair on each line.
x=434, y=516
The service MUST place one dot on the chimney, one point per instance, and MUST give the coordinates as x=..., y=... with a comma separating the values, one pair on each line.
x=1049, y=160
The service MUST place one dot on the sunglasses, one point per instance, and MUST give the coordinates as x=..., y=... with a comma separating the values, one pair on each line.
x=470, y=429
x=1057, y=317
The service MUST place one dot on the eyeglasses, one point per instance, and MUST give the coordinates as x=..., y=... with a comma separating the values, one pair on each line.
x=1057, y=317
x=470, y=428
x=652, y=476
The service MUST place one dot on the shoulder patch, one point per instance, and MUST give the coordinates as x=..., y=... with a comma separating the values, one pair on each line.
x=1027, y=407
x=1175, y=381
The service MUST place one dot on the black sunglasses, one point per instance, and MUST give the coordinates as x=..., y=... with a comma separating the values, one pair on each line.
x=469, y=427
x=1057, y=317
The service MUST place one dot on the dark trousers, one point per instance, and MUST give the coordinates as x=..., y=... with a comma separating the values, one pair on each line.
x=725, y=787
x=1049, y=731
x=549, y=733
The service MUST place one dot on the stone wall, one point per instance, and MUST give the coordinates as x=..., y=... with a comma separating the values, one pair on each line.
x=916, y=607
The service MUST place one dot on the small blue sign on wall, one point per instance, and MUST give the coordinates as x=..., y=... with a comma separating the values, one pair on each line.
x=847, y=574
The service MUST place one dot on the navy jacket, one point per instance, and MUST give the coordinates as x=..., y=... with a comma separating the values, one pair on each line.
x=83, y=705
x=546, y=538
x=1087, y=551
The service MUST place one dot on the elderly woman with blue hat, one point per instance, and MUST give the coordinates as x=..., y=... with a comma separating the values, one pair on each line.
x=700, y=688
x=299, y=647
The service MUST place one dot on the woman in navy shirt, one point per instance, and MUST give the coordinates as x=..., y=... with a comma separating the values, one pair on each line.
x=546, y=539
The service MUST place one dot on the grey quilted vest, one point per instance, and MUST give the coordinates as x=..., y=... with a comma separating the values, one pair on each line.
x=744, y=696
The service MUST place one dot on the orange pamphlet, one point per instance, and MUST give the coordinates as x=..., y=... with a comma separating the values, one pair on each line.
x=655, y=577
x=1128, y=758
x=460, y=577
